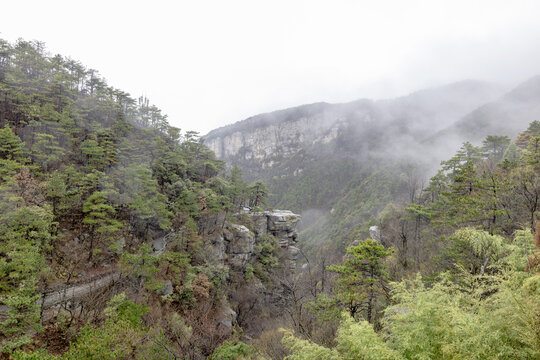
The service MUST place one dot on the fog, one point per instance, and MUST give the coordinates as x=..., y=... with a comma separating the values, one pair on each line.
x=210, y=63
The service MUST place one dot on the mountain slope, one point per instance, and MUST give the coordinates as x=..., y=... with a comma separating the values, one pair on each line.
x=507, y=115
x=341, y=164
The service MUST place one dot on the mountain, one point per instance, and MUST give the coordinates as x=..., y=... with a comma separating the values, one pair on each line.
x=122, y=237
x=341, y=164
x=507, y=115
x=266, y=141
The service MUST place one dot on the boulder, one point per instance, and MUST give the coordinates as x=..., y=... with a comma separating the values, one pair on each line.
x=240, y=243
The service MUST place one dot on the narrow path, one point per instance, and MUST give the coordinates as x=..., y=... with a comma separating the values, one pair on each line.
x=77, y=291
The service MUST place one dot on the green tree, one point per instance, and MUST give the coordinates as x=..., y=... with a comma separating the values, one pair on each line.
x=494, y=147
x=474, y=250
x=11, y=146
x=143, y=265
x=11, y=153
x=99, y=216
x=56, y=189
x=490, y=320
x=362, y=278
x=257, y=194
x=123, y=336
x=25, y=234
x=355, y=341
x=46, y=150
x=147, y=206
x=94, y=153
x=234, y=350
x=238, y=190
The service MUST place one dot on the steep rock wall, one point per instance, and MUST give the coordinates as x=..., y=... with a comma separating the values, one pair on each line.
x=285, y=139
x=235, y=245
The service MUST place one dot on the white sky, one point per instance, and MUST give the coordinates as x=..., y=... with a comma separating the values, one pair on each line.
x=210, y=63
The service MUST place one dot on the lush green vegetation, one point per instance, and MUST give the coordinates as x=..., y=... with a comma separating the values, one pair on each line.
x=89, y=177
x=465, y=268
x=94, y=182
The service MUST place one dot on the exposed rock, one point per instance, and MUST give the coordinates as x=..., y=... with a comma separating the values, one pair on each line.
x=159, y=245
x=228, y=318
x=260, y=223
x=261, y=145
x=239, y=245
x=167, y=288
x=375, y=233
x=308, y=124
x=118, y=246
x=282, y=224
x=217, y=248
x=235, y=245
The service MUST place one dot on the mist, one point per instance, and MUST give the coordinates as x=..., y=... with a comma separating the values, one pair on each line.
x=210, y=64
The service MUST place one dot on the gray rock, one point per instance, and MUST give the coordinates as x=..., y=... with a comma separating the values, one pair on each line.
x=240, y=245
x=375, y=233
x=217, y=248
x=235, y=245
x=159, y=245
x=167, y=288
x=228, y=318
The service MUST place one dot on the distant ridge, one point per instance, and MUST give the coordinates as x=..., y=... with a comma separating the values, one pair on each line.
x=507, y=115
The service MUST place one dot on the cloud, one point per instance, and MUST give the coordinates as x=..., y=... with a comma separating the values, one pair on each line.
x=208, y=63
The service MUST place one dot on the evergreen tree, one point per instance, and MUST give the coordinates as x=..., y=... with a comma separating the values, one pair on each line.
x=99, y=216
x=26, y=234
x=362, y=278
x=11, y=153
x=257, y=194
x=494, y=147
x=148, y=206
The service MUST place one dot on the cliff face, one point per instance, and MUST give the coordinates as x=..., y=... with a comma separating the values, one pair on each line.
x=235, y=245
x=333, y=162
x=263, y=143
x=268, y=141
x=267, y=138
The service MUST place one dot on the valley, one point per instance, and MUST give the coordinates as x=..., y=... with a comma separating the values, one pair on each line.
x=404, y=228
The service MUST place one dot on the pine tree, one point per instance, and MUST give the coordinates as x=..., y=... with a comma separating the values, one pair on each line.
x=11, y=153
x=362, y=277
x=99, y=216
x=25, y=234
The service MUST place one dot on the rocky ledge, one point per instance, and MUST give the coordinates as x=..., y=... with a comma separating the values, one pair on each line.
x=235, y=246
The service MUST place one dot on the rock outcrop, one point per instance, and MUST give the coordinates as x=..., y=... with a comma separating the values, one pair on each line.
x=282, y=224
x=286, y=138
x=235, y=245
x=239, y=245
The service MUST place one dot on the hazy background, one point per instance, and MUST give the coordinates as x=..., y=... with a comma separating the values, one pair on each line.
x=210, y=63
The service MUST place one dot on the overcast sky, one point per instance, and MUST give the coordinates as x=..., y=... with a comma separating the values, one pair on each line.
x=211, y=63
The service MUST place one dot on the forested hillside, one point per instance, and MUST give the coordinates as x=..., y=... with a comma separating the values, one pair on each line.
x=460, y=242
x=339, y=165
x=118, y=234
x=123, y=237
x=452, y=274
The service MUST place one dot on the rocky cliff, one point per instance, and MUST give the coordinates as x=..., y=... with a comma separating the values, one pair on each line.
x=235, y=245
x=261, y=145
x=268, y=137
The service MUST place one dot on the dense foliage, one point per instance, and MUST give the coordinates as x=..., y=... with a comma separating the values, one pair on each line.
x=465, y=267
x=94, y=184
x=89, y=177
